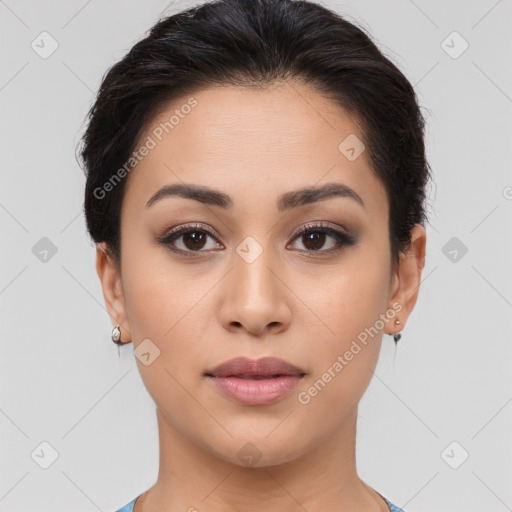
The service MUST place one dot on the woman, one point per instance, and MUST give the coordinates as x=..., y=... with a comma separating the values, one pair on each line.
x=256, y=179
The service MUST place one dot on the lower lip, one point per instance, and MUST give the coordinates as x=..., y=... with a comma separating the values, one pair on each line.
x=256, y=392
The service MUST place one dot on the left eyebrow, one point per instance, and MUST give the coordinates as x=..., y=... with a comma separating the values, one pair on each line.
x=310, y=195
x=287, y=201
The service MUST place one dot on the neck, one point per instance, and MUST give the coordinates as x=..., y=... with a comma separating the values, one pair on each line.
x=323, y=477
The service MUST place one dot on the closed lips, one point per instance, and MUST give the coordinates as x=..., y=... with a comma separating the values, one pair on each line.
x=255, y=382
x=245, y=368
x=256, y=377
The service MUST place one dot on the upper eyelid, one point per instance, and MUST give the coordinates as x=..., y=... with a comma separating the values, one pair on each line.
x=321, y=225
x=309, y=226
x=204, y=227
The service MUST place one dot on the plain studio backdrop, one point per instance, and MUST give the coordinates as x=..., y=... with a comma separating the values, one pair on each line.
x=78, y=429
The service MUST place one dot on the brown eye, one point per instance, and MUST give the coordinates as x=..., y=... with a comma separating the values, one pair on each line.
x=194, y=240
x=188, y=240
x=314, y=240
x=314, y=237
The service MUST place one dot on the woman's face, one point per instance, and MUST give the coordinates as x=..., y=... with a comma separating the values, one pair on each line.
x=242, y=281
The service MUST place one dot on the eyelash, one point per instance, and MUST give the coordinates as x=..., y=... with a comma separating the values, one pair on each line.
x=342, y=238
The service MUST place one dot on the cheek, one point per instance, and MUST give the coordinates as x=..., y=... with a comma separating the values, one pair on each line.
x=167, y=308
x=167, y=303
x=346, y=311
x=172, y=312
x=345, y=350
x=160, y=293
x=345, y=300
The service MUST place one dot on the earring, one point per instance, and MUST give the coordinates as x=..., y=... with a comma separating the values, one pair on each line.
x=397, y=336
x=116, y=338
x=116, y=335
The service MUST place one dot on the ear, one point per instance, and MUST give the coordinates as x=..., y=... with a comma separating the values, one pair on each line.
x=407, y=277
x=110, y=278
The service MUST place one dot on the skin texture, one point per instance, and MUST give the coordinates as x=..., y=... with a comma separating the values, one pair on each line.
x=255, y=145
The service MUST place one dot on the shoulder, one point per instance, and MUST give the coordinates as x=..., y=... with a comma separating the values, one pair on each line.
x=128, y=507
x=392, y=507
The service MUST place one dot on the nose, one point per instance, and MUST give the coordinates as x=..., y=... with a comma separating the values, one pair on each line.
x=254, y=297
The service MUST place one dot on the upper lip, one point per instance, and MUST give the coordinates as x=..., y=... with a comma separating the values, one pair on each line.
x=245, y=367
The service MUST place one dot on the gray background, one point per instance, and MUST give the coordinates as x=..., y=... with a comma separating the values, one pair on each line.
x=62, y=382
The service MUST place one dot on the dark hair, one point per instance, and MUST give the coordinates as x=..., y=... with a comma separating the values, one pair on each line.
x=256, y=43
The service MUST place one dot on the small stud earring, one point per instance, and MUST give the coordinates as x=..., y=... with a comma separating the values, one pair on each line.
x=397, y=336
x=116, y=335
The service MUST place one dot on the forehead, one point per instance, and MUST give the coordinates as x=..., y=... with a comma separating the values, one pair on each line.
x=257, y=142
